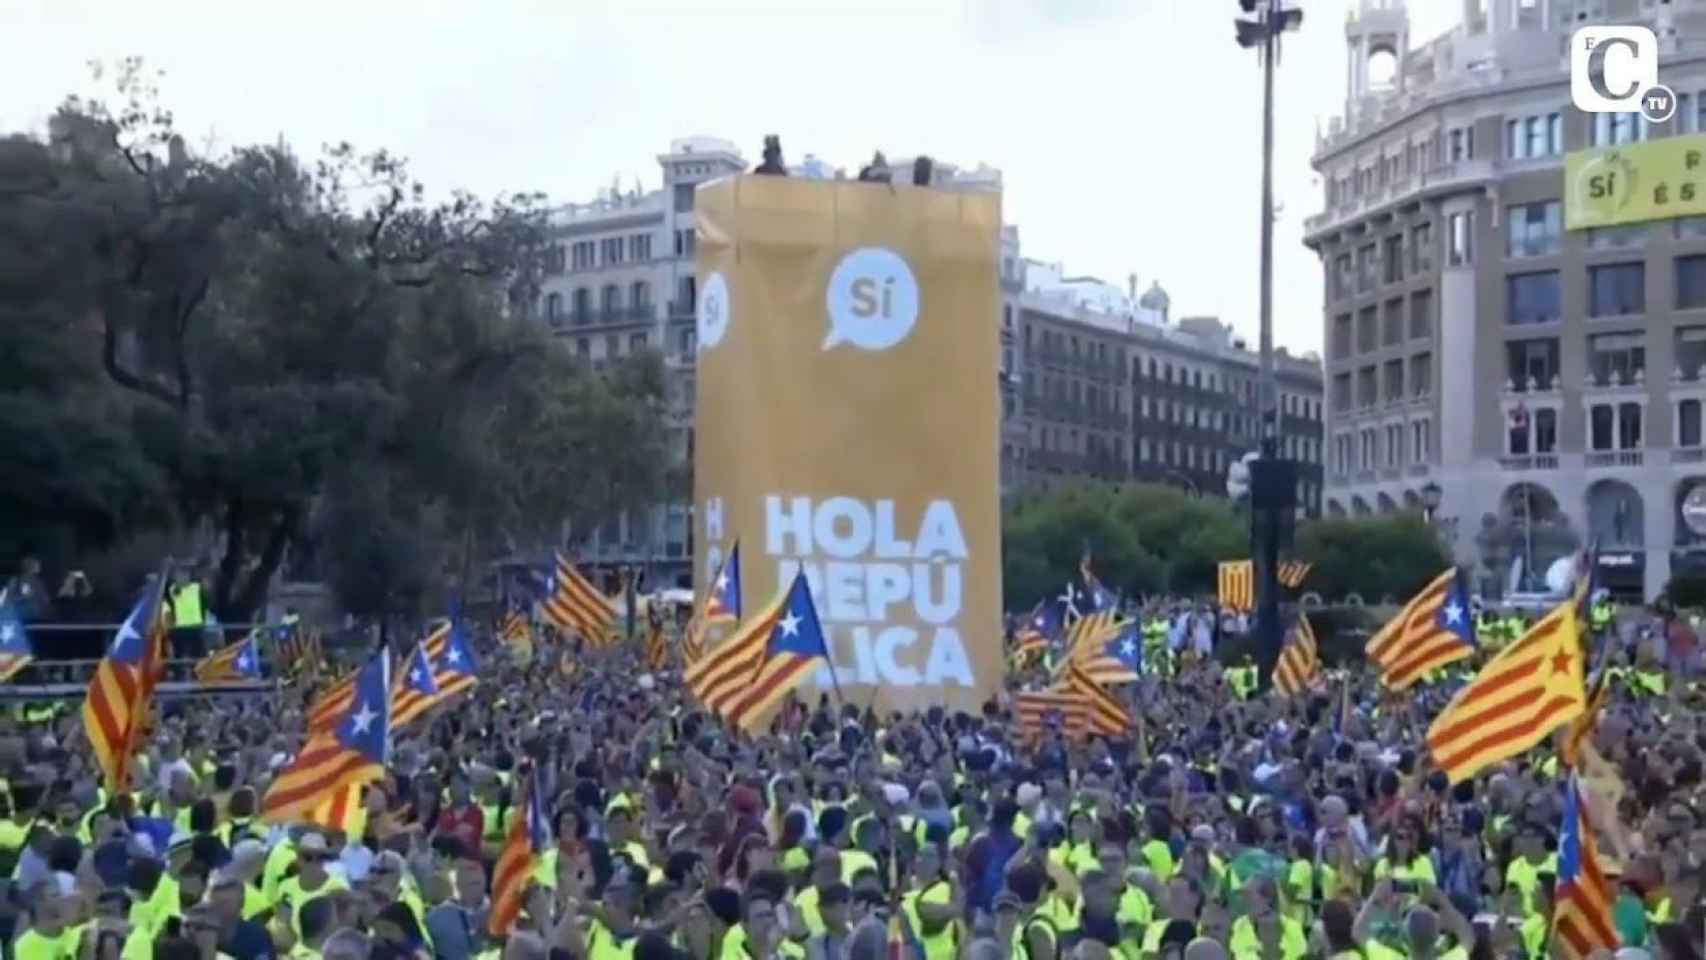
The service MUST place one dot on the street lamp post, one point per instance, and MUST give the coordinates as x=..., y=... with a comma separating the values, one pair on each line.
x=1431, y=495
x=1273, y=487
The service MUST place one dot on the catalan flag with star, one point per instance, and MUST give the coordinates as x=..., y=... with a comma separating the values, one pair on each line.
x=329, y=706
x=529, y=836
x=15, y=652
x=721, y=606
x=1533, y=687
x=573, y=603
x=121, y=693
x=1432, y=630
x=353, y=753
x=413, y=690
x=1584, y=897
x=794, y=647
x=235, y=663
x=454, y=668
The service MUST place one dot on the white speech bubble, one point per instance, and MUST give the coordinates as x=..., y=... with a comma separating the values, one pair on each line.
x=714, y=311
x=872, y=299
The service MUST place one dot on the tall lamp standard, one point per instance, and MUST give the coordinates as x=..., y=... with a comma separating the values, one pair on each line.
x=1273, y=482
x=1431, y=494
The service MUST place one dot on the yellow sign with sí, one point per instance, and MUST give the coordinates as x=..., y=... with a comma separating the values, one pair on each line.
x=1636, y=182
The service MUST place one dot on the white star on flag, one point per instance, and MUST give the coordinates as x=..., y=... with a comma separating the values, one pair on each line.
x=7, y=632
x=363, y=718
x=454, y=657
x=1453, y=613
x=790, y=624
x=1128, y=648
x=722, y=582
x=420, y=678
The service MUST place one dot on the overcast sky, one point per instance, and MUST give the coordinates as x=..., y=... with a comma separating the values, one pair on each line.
x=1128, y=131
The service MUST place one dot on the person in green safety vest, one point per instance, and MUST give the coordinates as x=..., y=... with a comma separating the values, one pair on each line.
x=1602, y=612
x=189, y=618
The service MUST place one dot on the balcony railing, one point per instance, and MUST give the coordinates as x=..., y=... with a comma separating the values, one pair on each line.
x=1613, y=458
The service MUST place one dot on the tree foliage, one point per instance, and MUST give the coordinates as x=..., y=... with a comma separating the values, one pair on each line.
x=289, y=354
x=1393, y=555
x=1148, y=539
x=1144, y=538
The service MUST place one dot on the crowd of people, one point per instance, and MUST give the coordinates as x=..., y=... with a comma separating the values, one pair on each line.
x=1226, y=822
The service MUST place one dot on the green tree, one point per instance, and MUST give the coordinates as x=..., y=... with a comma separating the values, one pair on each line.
x=264, y=324
x=1393, y=555
x=1189, y=535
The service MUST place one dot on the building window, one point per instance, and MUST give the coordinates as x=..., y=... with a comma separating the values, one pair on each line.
x=1613, y=129
x=640, y=297
x=1461, y=144
x=1617, y=289
x=1366, y=394
x=1460, y=230
x=1691, y=282
x=610, y=250
x=1531, y=364
x=1611, y=238
x=686, y=243
x=1689, y=345
x=1341, y=393
x=636, y=342
x=684, y=342
x=1614, y=426
x=1545, y=135
x=556, y=259
x=1367, y=331
x=1392, y=259
x=1421, y=248
x=583, y=347
x=554, y=307
x=610, y=300
x=1532, y=298
x=1392, y=323
x=583, y=305
x=1545, y=430
x=683, y=197
x=1394, y=443
x=1688, y=423
x=1392, y=380
x=1616, y=358
x=640, y=247
x=1365, y=267
x=1421, y=315
x=1421, y=441
x=581, y=255
x=1534, y=229
x=686, y=296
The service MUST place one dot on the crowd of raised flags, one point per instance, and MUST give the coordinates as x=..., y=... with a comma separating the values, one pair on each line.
x=1078, y=662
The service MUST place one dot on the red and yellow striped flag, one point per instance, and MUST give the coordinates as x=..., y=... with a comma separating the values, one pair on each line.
x=1299, y=665
x=1529, y=690
x=1238, y=585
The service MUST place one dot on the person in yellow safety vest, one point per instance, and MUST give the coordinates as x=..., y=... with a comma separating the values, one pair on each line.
x=934, y=905
x=316, y=916
x=1243, y=678
x=1425, y=923
x=1602, y=612
x=188, y=618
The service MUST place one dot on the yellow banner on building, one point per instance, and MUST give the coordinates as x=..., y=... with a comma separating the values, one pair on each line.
x=848, y=422
x=1636, y=182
